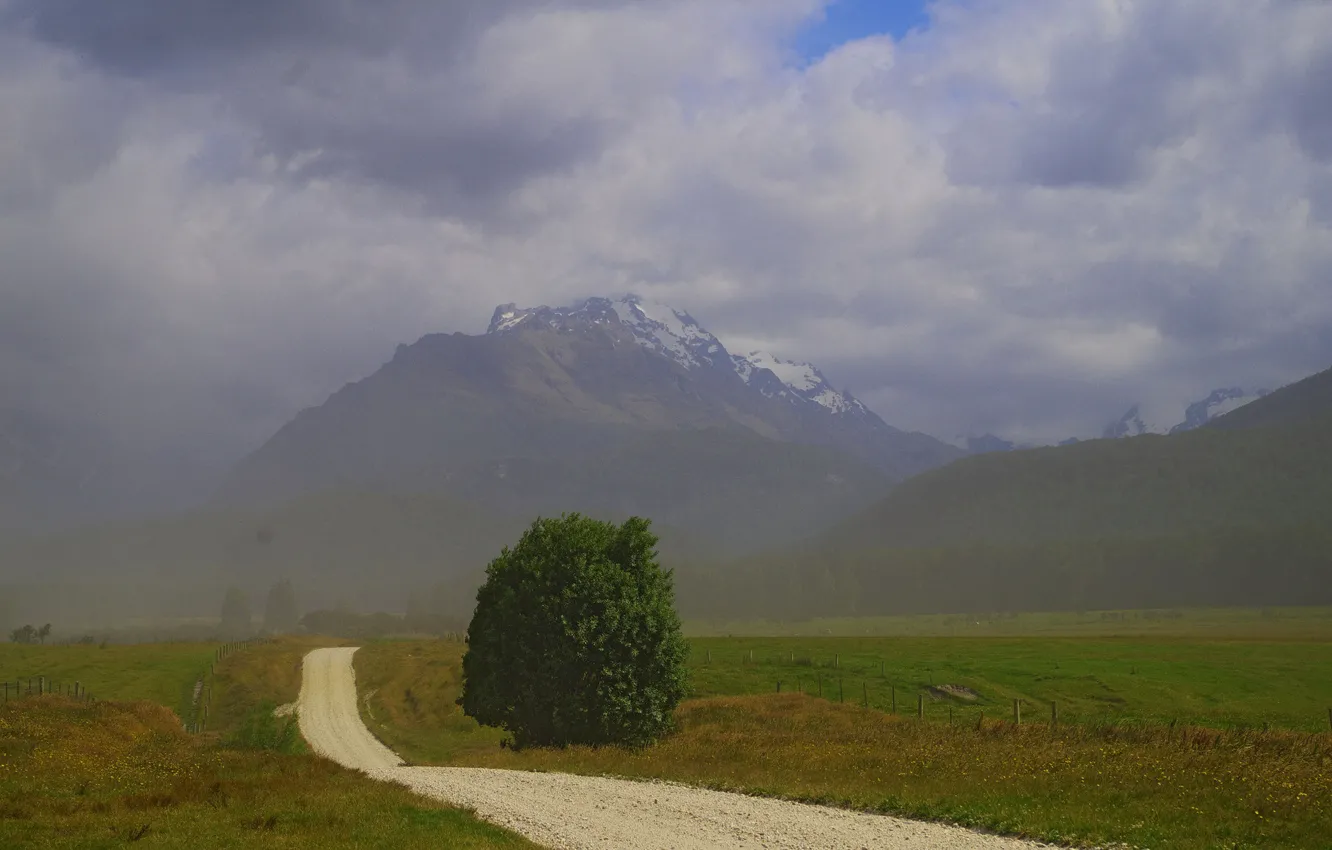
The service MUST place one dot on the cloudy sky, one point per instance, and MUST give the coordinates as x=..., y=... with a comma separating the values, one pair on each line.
x=1016, y=216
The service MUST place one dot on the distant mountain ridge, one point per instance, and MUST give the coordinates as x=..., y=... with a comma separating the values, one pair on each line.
x=1197, y=414
x=1232, y=512
x=609, y=405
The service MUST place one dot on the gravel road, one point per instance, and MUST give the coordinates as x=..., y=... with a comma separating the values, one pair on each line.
x=582, y=812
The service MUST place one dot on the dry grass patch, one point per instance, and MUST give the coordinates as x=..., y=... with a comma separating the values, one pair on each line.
x=80, y=775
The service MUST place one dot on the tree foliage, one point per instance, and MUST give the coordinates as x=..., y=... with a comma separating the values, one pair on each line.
x=280, y=613
x=575, y=639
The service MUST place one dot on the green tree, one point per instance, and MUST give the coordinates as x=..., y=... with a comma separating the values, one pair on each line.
x=23, y=634
x=280, y=613
x=44, y=632
x=575, y=639
x=236, y=620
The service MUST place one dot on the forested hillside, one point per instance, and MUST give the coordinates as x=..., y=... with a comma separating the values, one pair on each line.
x=1235, y=514
x=1141, y=487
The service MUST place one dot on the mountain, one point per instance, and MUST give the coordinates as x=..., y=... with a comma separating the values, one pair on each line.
x=1297, y=402
x=785, y=400
x=608, y=407
x=1197, y=414
x=989, y=443
x=1129, y=425
x=1219, y=403
x=1232, y=513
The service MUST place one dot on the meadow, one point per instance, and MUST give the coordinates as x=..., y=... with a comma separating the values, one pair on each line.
x=163, y=673
x=1284, y=623
x=116, y=771
x=1182, y=761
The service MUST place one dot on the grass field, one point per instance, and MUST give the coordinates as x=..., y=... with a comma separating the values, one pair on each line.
x=1145, y=785
x=1159, y=680
x=80, y=775
x=158, y=672
x=1309, y=623
x=112, y=772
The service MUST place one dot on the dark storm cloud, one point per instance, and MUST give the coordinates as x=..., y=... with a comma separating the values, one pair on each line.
x=154, y=36
x=378, y=91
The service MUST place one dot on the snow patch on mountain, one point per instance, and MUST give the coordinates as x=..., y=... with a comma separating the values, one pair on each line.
x=1196, y=415
x=676, y=335
x=657, y=327
x=801, y=377
x=1219, y=403
x=802, y=380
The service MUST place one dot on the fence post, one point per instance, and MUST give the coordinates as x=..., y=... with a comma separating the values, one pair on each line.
x=779, y=686
x=41, y=685
x=820, y=686
x=894, y=699
x=837, y=661
x=709, y=656
x=1017, y=712
x=864, y=691
x=1054, y=713
x=920, y=706
x=840, y=696
x=1329, y=720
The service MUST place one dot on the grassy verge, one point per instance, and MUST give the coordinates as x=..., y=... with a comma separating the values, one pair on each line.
x=266, y=674
x=81, y=775
x=1150, y=786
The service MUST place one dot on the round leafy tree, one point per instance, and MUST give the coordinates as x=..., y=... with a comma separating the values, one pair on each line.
x=575, y=639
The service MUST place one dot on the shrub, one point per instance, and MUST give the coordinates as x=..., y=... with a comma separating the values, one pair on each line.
x=575, y=639
x=263, y=729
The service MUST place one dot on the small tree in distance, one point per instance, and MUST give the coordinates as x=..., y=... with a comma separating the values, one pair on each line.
x=280, y=614
x=575, y=639
x=236, y=620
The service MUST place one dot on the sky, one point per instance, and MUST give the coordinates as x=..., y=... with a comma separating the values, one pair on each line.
x=844, y=21
x=1006, y=216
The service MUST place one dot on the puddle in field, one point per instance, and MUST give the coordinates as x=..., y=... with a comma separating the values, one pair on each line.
x=955, y=691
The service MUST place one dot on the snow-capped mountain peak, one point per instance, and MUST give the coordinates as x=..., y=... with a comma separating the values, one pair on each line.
x=657, y=327
x=666, y=330
x=1196, y=415
x=802, y=380
x=679, y=337
x=1220, y=402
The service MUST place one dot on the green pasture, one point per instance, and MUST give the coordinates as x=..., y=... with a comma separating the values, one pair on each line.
x=1217, y=683
x=163, y=673
x=1295, y=623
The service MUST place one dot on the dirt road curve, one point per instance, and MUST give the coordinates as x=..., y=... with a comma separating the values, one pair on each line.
x=581, y=812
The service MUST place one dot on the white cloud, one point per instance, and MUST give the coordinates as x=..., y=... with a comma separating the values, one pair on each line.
x=1020, y=220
